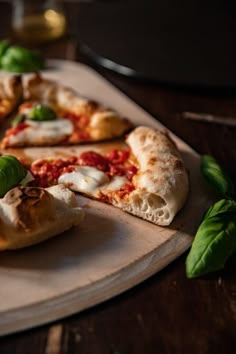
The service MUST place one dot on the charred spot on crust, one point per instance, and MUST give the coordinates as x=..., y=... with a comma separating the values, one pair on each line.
x=16, y=80
x=93, y=105
x=32, y=192
x=142, y=138
x=13, y=196
x=179, y=164
x=31, y=205
x=152, y=161
x=18, y=194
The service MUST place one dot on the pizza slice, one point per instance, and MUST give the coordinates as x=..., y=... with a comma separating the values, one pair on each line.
x=29, y=215
x=11, y=93
x=146, y=178
x=56, y=115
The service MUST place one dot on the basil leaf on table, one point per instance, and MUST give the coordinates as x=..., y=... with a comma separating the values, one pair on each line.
x=19, y=59
x=214, y=243
x=215, y=240
x=216, y=176
x=221, y=207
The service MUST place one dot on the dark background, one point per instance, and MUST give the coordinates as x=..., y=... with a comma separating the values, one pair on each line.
x=187, y=43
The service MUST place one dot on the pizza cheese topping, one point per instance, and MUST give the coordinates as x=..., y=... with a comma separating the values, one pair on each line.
x=90, y=172
x=67, y=127
x=36, y=132
x=15, y=130
x=91, y=181
x=47, y=172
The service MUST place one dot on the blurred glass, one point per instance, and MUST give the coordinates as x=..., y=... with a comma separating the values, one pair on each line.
x=38, y=20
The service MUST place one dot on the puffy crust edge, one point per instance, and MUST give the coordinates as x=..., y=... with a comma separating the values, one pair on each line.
x=11, y=93
x=161, y=185
x=30, y=215
x=104, y=123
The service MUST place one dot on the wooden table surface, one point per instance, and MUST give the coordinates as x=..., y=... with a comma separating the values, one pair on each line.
x=167, y=313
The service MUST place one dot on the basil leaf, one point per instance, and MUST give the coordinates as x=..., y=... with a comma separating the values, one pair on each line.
x=214, y=243
x=41, y=113
x=19, y=59
x=11, y=173
x=221, y=207
x=216, y=176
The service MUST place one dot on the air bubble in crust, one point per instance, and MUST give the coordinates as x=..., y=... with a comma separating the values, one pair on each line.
x=167, y=215
x=137, y=201
x=155, y=202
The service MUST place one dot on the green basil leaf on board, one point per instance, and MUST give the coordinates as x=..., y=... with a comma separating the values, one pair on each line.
x=221, y=207
x=19, y=59
x=214, y=243
x=41, y=113
x=11, y=173
x=216, y=176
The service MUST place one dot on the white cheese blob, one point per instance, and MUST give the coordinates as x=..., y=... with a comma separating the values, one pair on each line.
x=49, y=132
x=90, y=180
x=84, y=179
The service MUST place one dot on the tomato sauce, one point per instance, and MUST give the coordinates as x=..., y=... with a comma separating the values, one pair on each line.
x=80, y=123
x=115, y=163
x=93, y=159
x=121, y=193
x=15, y=130
x=47, y=172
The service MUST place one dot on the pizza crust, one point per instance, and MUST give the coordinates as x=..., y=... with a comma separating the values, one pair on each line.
x=11, y=93
x=30, y=215
x=161, y=184
x=104, y=123
x=159, y=188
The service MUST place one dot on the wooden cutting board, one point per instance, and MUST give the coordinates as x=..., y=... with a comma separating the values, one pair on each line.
x=110, y=251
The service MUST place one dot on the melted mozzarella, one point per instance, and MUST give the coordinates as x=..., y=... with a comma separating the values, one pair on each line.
x=43, y=132
x=89, y=180
x=84, y=179
x=28, y=178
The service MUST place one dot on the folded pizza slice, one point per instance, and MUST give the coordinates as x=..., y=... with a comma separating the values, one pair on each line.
x=11, y=93
x=147, y=178
x=53, y=114
x=28, y=214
